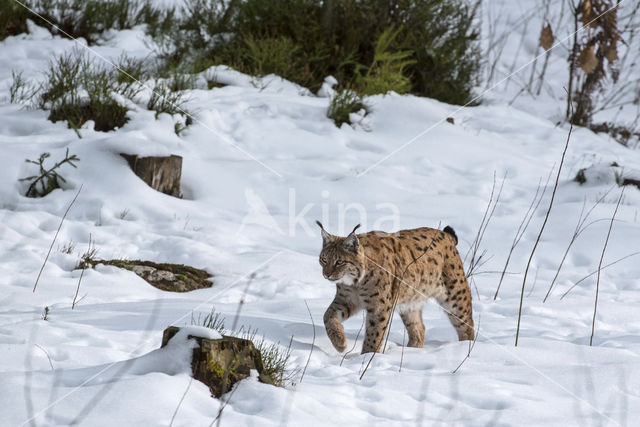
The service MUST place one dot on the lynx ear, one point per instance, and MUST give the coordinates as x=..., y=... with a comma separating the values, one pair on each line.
x=326, y=237
x=351, y=242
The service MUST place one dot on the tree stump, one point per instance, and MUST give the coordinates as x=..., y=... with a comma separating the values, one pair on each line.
x=160, y=173
x=220, y=363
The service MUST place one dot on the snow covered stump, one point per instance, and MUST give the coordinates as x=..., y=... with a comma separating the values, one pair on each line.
x=160, y=173
x=221, y=362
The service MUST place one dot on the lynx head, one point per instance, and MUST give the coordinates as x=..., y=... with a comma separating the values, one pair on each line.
x=341, y=258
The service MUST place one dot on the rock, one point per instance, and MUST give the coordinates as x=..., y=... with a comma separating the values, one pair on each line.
x=160, y=173
x=631, y=181
x=220, y=363
x=611, y=173
x=168, y=277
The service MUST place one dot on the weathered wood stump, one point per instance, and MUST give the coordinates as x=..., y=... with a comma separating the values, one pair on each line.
x=160, y=173
x=220, y=363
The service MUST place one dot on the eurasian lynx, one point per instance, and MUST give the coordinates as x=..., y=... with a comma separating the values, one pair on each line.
x=372, y=269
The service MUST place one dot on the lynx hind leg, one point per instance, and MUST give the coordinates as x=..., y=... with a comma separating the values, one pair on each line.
x=415, y=327
x=456, y=299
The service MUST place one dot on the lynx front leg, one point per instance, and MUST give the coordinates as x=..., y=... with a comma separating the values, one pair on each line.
x=340, y=309
x=377, y=321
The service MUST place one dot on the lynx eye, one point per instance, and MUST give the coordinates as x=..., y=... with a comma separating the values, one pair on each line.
x=339, y=263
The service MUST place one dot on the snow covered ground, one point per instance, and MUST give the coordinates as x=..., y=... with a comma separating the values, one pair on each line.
x=260, y=165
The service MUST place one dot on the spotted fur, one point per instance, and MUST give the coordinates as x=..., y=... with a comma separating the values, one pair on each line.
x=372, y=269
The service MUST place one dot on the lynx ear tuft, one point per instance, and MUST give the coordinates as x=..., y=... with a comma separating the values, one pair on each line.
x=354, y=229
x=326, y=237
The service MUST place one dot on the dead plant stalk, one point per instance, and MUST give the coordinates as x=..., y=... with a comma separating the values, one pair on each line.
x=604, y=248
x=544, y=223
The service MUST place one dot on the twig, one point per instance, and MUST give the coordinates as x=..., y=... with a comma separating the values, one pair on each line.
x=55, y=237
x=471, y=345
x=355, y=343
x=580, y=227
x=312, y=342
x=595, y=271
x=47, y=354
x=222, y=406
x=241, y=303
x=387, y=330
x=604, y=248
x=476, y=261
x=404, y=333
x=544, y=223
x=524, y=224
x=84, y=267
x=180, y=403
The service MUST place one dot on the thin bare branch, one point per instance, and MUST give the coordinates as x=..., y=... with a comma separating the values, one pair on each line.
x=596, y=271
x=173, y=417
x=312, y=342
x=604, y=248
x=524, y=224
x=84, y=267
x=544, y=223
x=55, y=237
x=580, y=227
x=404, y=334
x=355, y=343
x=46, y=354
x=471, y=345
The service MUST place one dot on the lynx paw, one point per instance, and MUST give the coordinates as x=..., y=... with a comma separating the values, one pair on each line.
x=338, y=340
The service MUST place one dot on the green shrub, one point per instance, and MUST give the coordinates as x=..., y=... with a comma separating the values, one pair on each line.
x=85, y=18
x=77, y=91
x=164, y=99
x=426, y=47
x=442, y=36
x=344, y=103
x=387, y=71
x=13, y=19
x=275, y=55
x=21, y=90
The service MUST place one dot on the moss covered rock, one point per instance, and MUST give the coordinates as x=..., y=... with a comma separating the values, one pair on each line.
x=168, y=277
x=220, y=363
